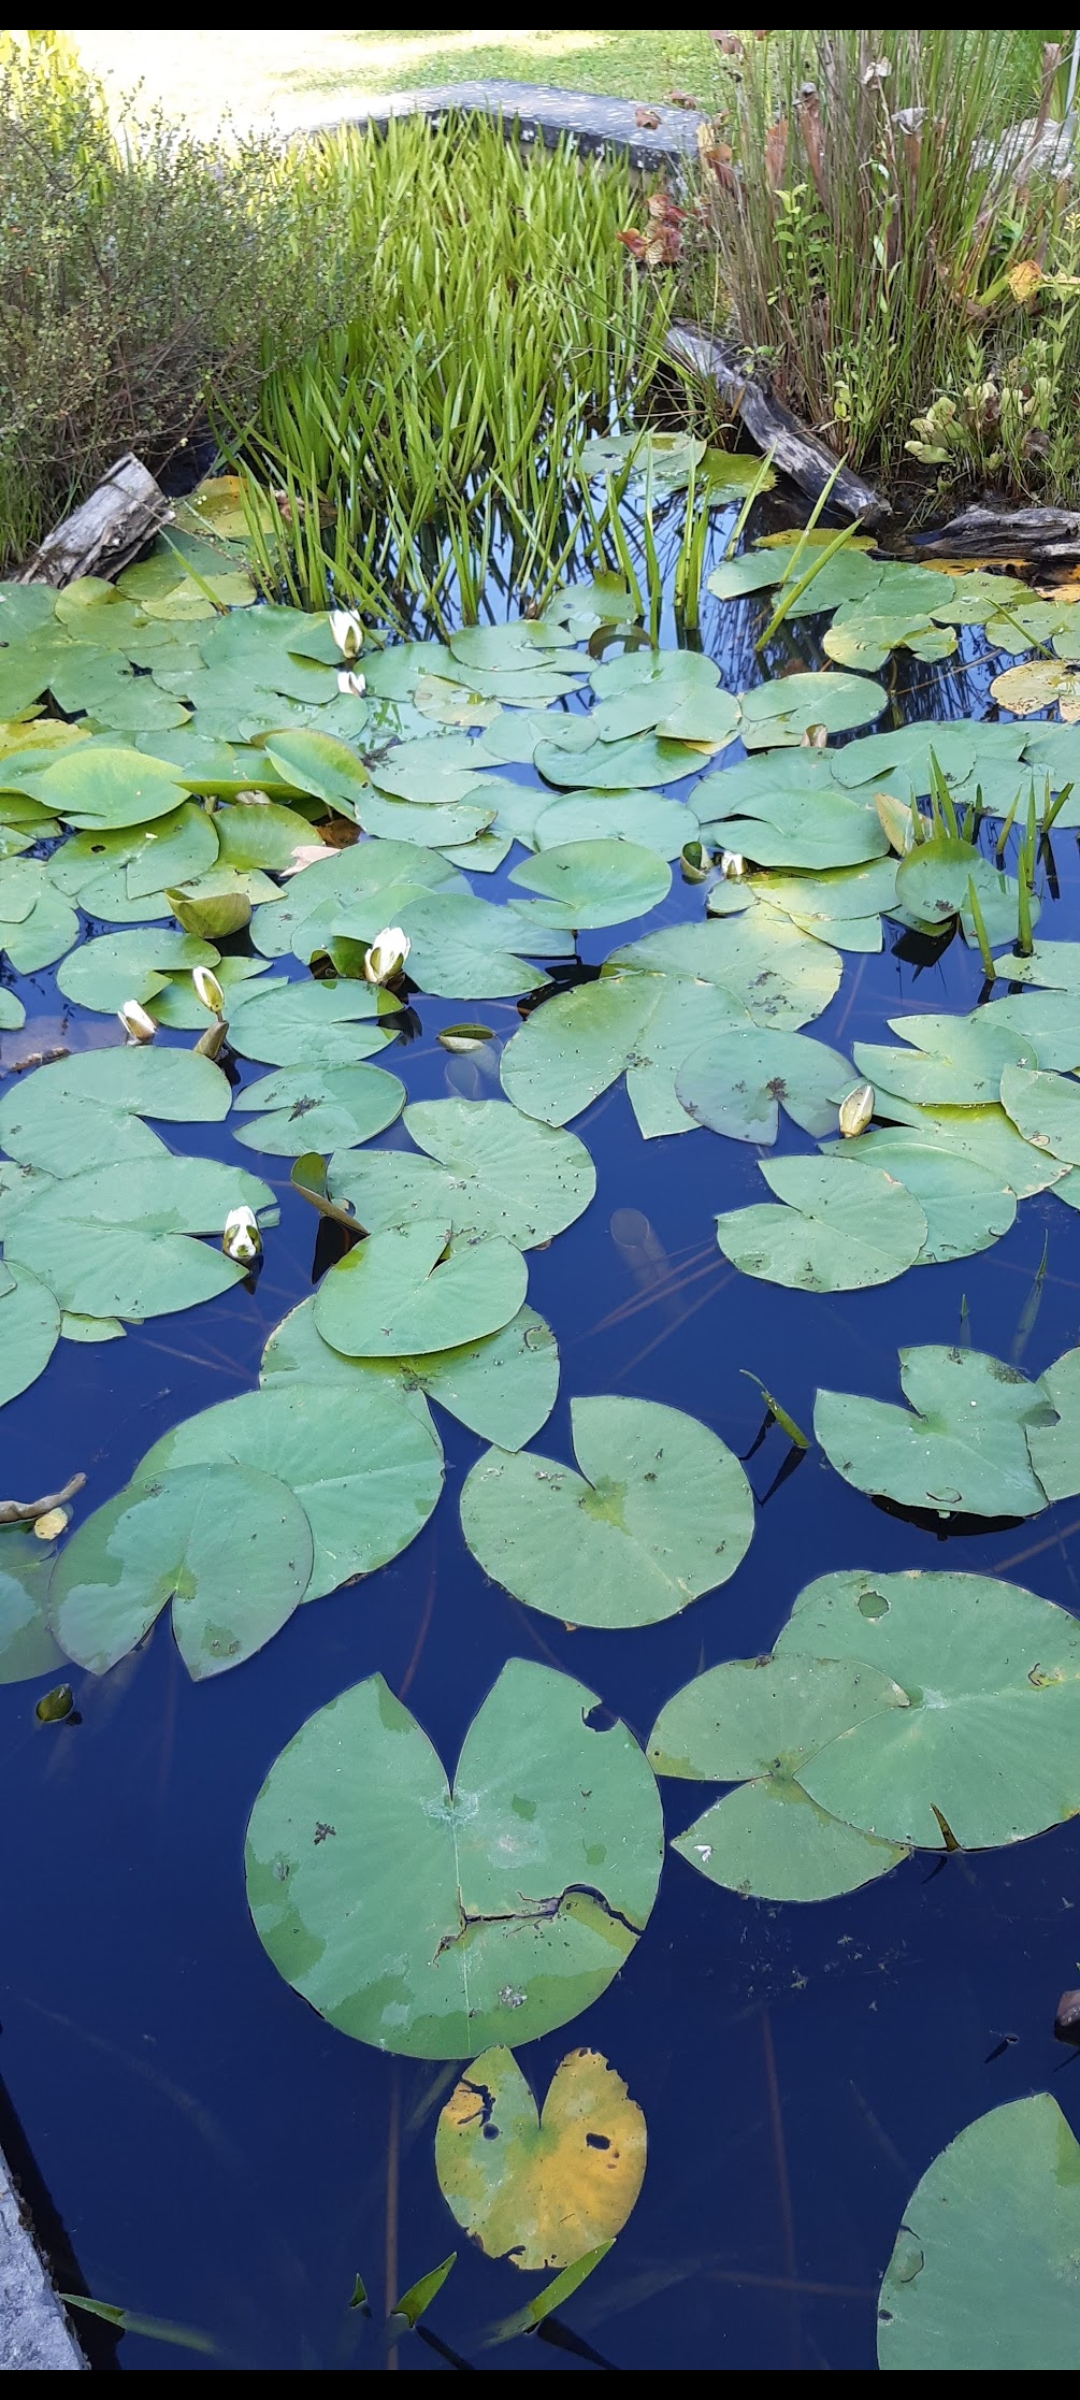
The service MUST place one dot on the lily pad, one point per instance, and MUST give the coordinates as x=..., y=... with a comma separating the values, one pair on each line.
x=967, y=1206
x=486, y=1168
x=115, y=1241
x=107, y=787
x=989, y=1737
x=953, y=1062
x=29, y=1329
x=311, y=1025
x=130, y=966
x=502, y=1387
x=639, y=817
x=591, y=883
x=230, y=1547
x=833, y=1234
x=932, y=884
x=412, y=1289
x=782, y=710
x=660, y=1513
x=960, y=1445
x=1045, y=1108
x=365, y=1465
x=302, y=1108
x=434, y=1919
x=617, y=766
x=540, y=2190
x=984, y=2274
x=27, y=1647
x=87, y=1110
x=739, y=1083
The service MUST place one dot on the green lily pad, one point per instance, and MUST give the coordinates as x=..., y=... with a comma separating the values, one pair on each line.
x=107, y=787
x=953, y=1062
x=115, y=1241
x=617, y=766
x=411, y=1289
x=833, y=1233
x=12, y=1012
x=739, y=1083
x=1045, y=1109
x=87, y=1110
x=960, y=1445
x=864, y=634
x=27, y=1647
x=660, y=1513
x=29, y=1329
x=230, y=1547
x=365, y=1465
x=320, y=764
x=769, y=1840
x=932, y=884
x=640, y=817
x=36, y=925
x=783, y=710
x=985, y=1135
x=502, y=1387
x=312, y=1025
x=967, y=1206
x=591, y=883
x=317, y=1108
x=130, y=966
x=984, y=2270
x=989, y=1738
x=486, y=1169
x=437, y=1919
x=804, y=822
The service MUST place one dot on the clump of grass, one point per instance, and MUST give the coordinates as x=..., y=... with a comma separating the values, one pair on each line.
x=862, y=224
x=497, y=322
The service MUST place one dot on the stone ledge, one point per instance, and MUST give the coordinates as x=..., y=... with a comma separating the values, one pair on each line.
x=34, y=2331
x=542, y=113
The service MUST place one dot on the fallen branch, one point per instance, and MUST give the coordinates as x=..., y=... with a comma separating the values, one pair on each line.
x=799, y=453
x=106, y=532
x=1037, y=536
x=25, y=1512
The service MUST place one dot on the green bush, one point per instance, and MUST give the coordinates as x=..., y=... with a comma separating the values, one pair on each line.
x=139, y=274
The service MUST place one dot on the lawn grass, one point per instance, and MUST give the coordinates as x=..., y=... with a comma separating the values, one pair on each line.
x=199, y=76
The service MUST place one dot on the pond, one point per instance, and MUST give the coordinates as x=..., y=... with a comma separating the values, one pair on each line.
x=217, y=2154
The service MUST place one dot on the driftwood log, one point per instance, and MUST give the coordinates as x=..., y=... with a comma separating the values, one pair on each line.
x=799, y=453
x=106, y=532
x=1041, y=537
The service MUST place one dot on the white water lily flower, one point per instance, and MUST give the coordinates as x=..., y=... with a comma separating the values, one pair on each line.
x=732, y=865
x=353, y=686
x=347, y=631
x=241, y=1239
x=208, y=990
x=387, y=955
x=857, y=1110
x=138, y=1026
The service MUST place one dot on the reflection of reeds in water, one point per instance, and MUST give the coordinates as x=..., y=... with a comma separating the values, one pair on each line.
x=660, y=1277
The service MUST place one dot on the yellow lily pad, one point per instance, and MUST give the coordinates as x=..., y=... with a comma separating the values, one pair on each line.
x=540, y=2190
x=1039, y=683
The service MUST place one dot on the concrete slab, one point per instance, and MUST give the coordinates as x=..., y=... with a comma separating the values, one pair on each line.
x=34, y=2330
x=543, y=112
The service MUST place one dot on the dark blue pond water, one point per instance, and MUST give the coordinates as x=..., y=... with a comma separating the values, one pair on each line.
x=215, y=2154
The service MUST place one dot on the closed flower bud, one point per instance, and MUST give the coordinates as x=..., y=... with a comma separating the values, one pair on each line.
x=137, y=1024
x=208, y=990
x=241, y=1239
x=857, y=1110
x=347, y=631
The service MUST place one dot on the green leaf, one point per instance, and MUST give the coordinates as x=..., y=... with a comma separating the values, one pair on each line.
x=832, y=1234
x=953, y=1062
x=230, y=1547
x=366, y=1466
x=12, y=1012
x=27, y=1648
x=432, y=1920
x=592, y=883
x=769, y=1840
x=984, y=1135
x=808, y=825
x=932, y=885
x=87, y=1110
x=959, y=1446
x=130, y=966
x=660, y=1513
x=738, y=1083
x=304, y=1108
x=29, y=1327
x=441, y=771
x=765, y=1716
x=487, y=1169
x=984, y=2271
x=107, y=787
x=540, y=2190
x=152, y=2329
x=863, y=636
x=1045, y=1109
x=178, y=1005
x=502, y=1387
x=419, y=2296
x=619, y=766
x=989, y=1737
x=553, y=2296
x=317, y=763
x=640, y=817
x=783, y=710
x=967, y=1206
x=114, y=1241
x=311, y=1025
x=411, y=1290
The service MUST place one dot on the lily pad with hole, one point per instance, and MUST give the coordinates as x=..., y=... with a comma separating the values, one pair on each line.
x=988, y=1740
x=660, y=1513
x=229, y=1546
x=540, y=2189
x=428, y=1919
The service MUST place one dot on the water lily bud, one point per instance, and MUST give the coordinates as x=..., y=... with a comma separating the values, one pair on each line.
x=208, y=990
x=353, y=686
x=211, y=1042
x=732, y=865
x=347, y=631
x=857, y=1110
x=695, y=862
x=138, y=1026
x=387, y=955
x=241, y=1239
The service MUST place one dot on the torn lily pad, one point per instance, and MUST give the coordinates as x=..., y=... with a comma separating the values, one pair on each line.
x=433, y=1918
